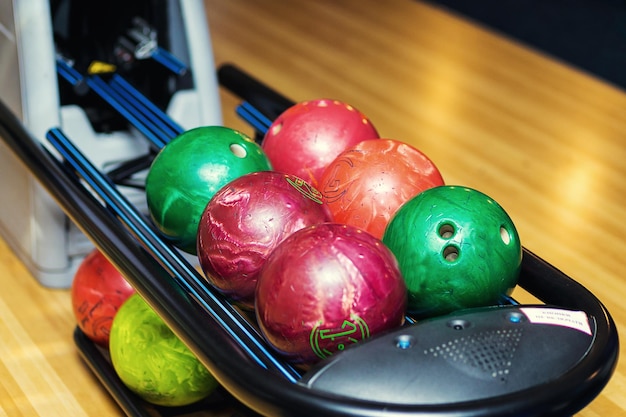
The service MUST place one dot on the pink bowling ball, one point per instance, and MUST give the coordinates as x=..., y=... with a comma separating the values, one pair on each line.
x=309, y=135
x=245, y=221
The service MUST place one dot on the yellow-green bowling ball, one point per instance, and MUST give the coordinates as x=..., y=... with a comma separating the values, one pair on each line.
x=152, y=361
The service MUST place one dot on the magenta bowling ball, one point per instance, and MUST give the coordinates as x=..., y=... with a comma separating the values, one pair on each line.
x=325, y=288
x=245, y=221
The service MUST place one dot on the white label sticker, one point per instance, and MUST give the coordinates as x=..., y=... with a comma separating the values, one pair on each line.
x=574, y=319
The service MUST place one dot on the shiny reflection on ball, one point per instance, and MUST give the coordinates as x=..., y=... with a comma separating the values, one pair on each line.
x=307, y=136
x=326, y=288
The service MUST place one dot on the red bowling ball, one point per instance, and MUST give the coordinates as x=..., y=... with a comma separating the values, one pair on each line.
x=327, y=287
x=98, y=290
x=367, y=183
x=245, y=221
x=306, y=137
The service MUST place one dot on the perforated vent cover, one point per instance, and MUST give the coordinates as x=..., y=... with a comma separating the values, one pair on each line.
x=474, y=355
x=484, y=355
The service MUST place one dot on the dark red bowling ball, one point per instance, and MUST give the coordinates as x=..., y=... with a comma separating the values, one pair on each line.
x=327, y=287
x=367, y=183
x=98, y=290
x=245, y=221
x=306, y=137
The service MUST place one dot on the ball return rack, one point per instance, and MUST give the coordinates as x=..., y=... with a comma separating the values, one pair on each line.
x=551, y=358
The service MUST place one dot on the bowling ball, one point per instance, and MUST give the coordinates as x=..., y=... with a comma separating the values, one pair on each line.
x=306, y=137
x=327, y=287
x=457, y=248
x=97, y=292
x=189, y=170
x=245, y=221
x=152, y=361
x=367, y=183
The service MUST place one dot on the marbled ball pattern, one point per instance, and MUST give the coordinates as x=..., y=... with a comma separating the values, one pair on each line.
x=367, y=183
x=246, y=220
x=457, y=248
x=327, y=287
x=152, y=361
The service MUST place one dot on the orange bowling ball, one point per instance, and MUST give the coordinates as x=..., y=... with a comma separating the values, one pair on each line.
x=367, y=183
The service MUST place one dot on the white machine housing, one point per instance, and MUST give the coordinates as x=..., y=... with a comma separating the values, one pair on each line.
x=31, y=222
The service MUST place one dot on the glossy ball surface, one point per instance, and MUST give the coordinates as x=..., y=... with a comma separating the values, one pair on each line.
x=245, y=221
x=327, y=287
x=457, y=248
x=306, y=137
x=367, y=183
x=98, y=290
x=189, y=170
x=152, y=361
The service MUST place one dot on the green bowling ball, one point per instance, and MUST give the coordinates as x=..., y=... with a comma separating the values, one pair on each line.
x=456, y=247
x=189, y=170
x=152, y=361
